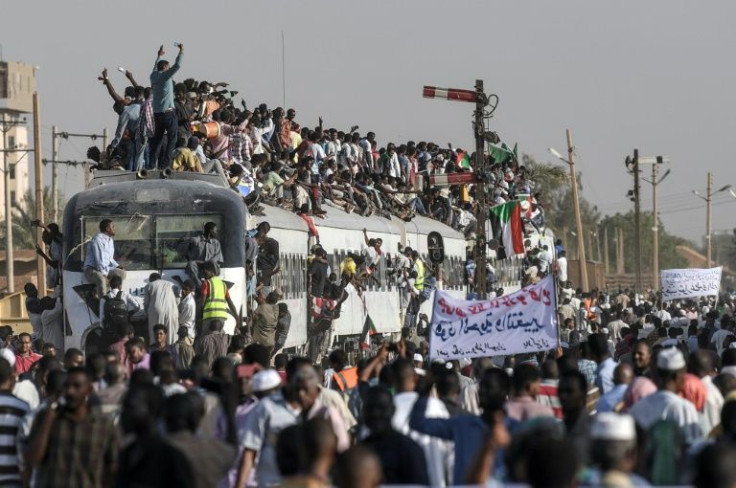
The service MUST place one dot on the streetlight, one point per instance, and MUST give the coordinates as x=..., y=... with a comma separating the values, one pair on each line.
x=655, y=218
x=576, y=207
x=708, y=198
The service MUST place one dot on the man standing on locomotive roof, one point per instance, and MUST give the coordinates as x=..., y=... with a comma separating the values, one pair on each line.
x=99, y=264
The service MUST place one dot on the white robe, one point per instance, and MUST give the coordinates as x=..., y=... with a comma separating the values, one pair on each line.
x=711, y=416
x=162, y=307
x=439, y=453
x=665, y=405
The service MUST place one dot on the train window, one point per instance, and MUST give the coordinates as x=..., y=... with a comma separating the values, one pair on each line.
x=291, y=277
x=172, y=237
x=301, y=276
x=134, y=244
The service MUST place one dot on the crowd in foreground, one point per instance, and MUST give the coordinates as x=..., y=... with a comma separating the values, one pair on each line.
x=634, y=395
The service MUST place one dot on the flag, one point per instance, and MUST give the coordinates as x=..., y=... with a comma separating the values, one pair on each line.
x=507, y=227
x=501, y=152
x=369, y=328
x=463, y=160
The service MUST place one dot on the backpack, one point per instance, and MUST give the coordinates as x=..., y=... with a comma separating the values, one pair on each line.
x=116, y=310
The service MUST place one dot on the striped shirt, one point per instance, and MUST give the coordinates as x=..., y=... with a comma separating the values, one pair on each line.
x=12, y=411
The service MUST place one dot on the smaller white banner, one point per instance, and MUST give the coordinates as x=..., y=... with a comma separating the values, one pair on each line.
x=521, y=322
x=690, y=283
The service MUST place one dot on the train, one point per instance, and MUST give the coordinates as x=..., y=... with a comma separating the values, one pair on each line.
x=156, y=210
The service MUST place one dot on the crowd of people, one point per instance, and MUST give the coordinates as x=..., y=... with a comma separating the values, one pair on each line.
x=637, y=393
x=268, y=156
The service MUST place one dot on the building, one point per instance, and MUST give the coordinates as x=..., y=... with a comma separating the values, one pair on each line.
x=17, y=84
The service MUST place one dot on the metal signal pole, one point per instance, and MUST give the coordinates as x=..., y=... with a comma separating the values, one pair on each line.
x=481, y=101
x=480, y=190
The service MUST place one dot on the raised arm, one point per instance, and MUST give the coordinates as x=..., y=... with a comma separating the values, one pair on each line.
x=129, y=75
x=110, y=89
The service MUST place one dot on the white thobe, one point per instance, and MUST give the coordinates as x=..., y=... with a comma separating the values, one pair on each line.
x=162, y=307
x=665, y=405
x=436, y=451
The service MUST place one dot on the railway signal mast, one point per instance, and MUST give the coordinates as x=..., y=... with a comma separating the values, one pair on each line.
x=481, y=101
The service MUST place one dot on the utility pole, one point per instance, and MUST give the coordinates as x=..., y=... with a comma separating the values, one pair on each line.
x=5, y=127
x=708, y=211
x=578, y=220
x=9, y=255
x=620, y=263
x=605, y=248
x=85, y=166
x=40, y=264
x=54, y=174
x=655, y=231
x=632, y=165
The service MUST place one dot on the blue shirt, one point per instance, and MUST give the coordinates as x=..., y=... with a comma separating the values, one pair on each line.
x=129, y=119
x=163, y=86
x=607, y=402
x=467, y=431
x=100, y=252
x=604, y=375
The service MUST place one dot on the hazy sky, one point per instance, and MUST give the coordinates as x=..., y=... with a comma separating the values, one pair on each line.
x=654, y=75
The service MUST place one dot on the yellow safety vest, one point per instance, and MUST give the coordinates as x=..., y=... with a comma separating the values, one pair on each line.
x=215, y=306
x=419, y=282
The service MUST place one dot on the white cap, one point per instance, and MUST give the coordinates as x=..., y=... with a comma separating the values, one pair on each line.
x=464, y=362
x=729, y=370
x=609, y=426
x=670, y=359
x=418, y=357
x=8, y=355
x=267, y=379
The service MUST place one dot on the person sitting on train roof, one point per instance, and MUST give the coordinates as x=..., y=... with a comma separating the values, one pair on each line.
x=99, y=264
x=184, y=159
x=203, y=248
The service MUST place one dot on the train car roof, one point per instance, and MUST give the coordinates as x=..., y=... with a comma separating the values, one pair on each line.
x=425, y=225
x=280, y=218
x=152, y=190
x=339, y=219
x=110, y=177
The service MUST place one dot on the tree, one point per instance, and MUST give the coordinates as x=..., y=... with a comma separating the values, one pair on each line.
x=553, y=182
x=668, y=256
x=24, y=234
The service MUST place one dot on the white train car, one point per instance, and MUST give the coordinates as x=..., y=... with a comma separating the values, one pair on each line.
x=341, y=233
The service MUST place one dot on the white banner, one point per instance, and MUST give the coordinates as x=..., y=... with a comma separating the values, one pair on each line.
x=521, y=322
x=690, y=283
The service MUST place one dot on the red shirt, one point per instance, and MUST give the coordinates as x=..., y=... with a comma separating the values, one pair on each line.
x=206, y=289
x=23, y=364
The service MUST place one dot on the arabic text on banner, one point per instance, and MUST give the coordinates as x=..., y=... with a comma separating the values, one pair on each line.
x=690, y=283
x=521, y=322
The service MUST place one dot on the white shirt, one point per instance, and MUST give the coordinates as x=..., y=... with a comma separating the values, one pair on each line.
x=711, y=416
x=545, y=258
x=562, y=266
x=436, y=450
x=187, y=313
x=718, y=337
x=665, y=405
x=394, y=168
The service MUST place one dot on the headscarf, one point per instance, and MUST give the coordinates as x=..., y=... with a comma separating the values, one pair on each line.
x=640, y=387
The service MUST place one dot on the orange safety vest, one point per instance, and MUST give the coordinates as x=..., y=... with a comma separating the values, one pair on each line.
x=347, y=379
